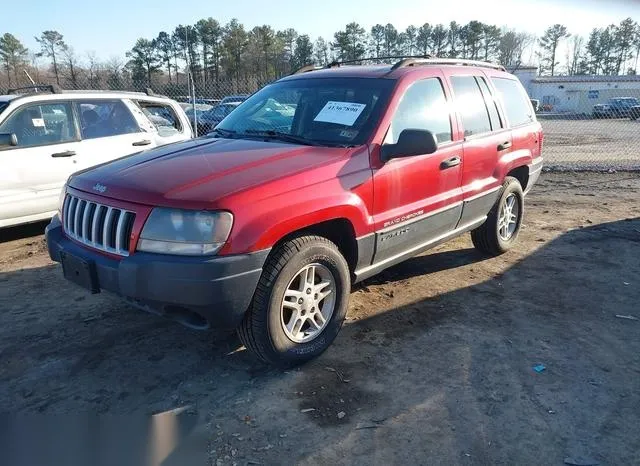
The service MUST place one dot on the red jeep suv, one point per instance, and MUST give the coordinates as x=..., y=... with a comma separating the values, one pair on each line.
x=317, y=181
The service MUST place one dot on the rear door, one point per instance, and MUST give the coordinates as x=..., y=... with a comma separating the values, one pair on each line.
x=485, y=140
x=169, y=124
x=109, y=131
x=33, y=172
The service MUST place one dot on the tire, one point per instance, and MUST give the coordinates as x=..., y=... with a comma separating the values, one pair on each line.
x=487, y=237
x=264, y=328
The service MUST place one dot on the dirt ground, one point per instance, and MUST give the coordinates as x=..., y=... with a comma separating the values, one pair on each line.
x=433, y=366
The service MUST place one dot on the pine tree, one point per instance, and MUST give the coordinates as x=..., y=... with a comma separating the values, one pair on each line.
x=350, y=43
x=143, y=62
x=13, y=55
x=303, y=54
x=549, y=46
x=52, y=45
x=423, y=40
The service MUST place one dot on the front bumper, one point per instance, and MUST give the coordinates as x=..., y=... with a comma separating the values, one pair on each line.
x=218, y=289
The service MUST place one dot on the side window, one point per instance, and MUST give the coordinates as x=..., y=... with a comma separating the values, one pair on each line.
x=104, y=118
x=470, y=105
x=163, y=117
x=515, y=101
x=423, y=106
x=41, y=124
x=491, y=103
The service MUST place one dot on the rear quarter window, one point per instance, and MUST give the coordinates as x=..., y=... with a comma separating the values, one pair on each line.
x=163, y=117
x=515, y=101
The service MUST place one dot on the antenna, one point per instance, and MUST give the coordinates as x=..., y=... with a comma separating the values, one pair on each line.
x=191, y=87
x=30, y=78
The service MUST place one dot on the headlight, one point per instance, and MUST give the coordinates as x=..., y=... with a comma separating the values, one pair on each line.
x=185, y=232
x=61, y=197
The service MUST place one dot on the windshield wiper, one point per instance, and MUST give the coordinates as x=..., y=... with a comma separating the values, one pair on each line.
x=225, y=133
x=271, y=134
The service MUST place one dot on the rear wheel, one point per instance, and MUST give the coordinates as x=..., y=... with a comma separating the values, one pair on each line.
x=500, y=232
x=300, y=302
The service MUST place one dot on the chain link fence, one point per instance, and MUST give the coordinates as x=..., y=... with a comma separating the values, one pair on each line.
x=591, y=123
x=592, y=126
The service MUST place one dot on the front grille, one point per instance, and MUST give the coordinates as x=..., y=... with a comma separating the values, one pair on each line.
x=98, y=226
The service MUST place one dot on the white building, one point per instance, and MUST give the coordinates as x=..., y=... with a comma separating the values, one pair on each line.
x=576, y=94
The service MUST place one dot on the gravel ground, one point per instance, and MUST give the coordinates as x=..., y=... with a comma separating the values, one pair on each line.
x=433, y=366
x=592, y=144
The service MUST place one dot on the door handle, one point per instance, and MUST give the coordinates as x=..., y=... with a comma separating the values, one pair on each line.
x=68, y=153
x=144, y=142
x=450, y=163
x=505, y=145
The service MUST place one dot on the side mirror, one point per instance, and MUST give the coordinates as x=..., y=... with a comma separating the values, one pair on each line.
x=8, y=140
x=410, y=142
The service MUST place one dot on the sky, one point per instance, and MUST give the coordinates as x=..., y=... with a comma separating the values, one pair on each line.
x=111, y=28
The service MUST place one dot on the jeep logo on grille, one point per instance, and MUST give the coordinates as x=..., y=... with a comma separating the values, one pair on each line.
x=100, y=188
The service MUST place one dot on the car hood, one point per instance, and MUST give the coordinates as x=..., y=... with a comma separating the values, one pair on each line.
x=197, y=173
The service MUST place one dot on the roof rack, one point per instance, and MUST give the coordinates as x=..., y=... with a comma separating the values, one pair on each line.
x=305, y=69
x=55, y=89
x=52, y=88
x=151, y=93
x=378, y=59
x=445, y=61
x=336, y=64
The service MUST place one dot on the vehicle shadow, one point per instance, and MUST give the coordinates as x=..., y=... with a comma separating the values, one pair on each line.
x=22, y=231
x=426, y=264
x=449, y=374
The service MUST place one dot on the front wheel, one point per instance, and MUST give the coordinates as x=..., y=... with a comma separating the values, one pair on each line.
x=300, y=302
x=499, y=233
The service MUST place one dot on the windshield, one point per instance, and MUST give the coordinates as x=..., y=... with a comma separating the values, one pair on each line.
x=3, y=105
x=325, y=111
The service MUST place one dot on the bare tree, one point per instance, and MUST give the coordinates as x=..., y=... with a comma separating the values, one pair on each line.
x=114, y=68
x=71, y=66
x=575, y=56
x=93, y=70
x=34, y=71
x=637, y=46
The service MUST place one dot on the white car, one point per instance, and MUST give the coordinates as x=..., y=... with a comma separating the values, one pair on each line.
x=47, y=136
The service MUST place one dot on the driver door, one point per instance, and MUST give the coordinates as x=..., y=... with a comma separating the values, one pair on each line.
x=418, y=199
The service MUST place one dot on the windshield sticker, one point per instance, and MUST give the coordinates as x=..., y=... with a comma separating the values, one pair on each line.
x=348, y=133
x=340, y=113
x=37, y=122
